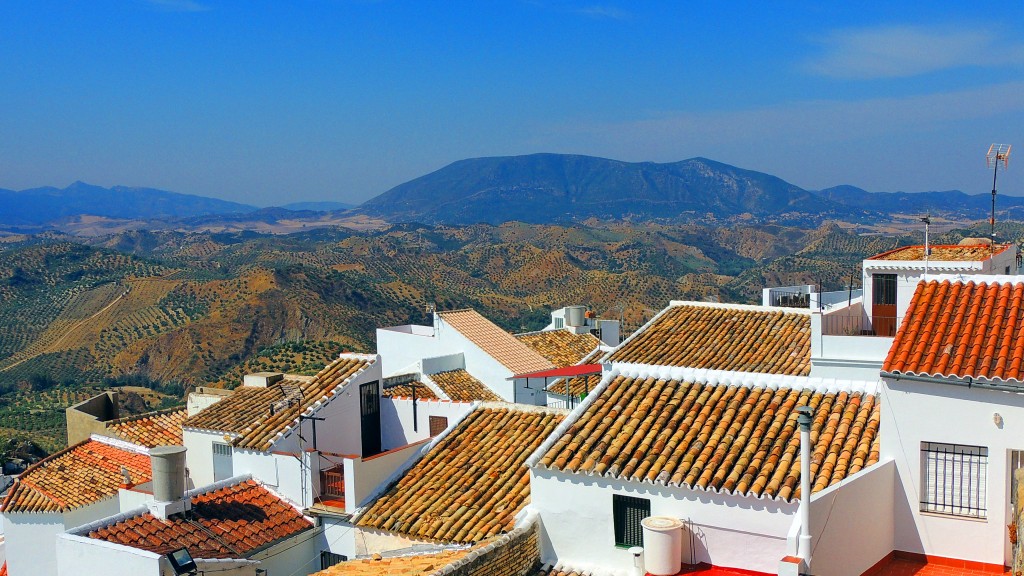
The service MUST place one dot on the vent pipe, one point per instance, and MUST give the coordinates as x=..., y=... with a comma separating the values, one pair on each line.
x=804, y=420
x=168, y=464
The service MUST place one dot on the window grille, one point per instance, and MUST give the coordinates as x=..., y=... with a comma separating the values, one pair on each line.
x=954, y=477
x=328, y=559
x=883, y=289
x=628, y=511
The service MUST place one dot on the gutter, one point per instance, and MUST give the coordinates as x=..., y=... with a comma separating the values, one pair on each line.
x=968, y=382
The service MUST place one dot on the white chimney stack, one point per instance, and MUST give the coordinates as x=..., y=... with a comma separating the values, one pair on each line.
x=804, y=420
x=168, y=463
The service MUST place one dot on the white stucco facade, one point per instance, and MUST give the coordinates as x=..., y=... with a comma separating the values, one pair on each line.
x=727, y=530
x=396, y=418
x=916, y=412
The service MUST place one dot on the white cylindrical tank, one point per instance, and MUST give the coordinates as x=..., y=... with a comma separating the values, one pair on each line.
x=168, y=464
x=574, y=315
x=663, y=545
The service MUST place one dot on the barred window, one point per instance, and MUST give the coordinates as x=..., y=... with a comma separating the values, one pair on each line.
x=953, y=479
x=628, y=512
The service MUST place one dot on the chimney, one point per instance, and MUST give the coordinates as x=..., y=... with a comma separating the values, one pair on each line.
x=168, y=464
x=261, y=379
x=804, y=420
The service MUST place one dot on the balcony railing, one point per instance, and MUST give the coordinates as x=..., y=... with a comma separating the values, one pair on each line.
x=859, y=325
x=332, y=482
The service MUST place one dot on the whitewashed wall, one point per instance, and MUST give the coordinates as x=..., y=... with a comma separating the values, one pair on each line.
x=852, y=522
x=729, y=531
x=77, y=555
x=288, y=474
x=296, y=556
x=199, y=454
x=340, y=432
x=915, y=412
x=401, y=346
x=396, y=418
x=30, y=540
x=364, y=475
x=338, y=537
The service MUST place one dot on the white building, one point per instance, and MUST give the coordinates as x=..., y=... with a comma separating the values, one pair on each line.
x=953, y=417
x=464, y=340
x=88, y=481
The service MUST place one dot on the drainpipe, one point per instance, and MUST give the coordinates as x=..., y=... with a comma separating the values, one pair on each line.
x=804, y=420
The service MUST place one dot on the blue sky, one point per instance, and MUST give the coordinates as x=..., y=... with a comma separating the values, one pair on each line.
x=273, y=102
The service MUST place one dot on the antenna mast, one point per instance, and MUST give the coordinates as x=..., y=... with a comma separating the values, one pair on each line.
x=997, y=153
x=927, y=250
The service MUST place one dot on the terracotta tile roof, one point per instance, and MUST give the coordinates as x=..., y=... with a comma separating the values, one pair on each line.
x=3, y=569
x=418, y=565
x=961, y=329
x=230, y=522
x=461, y=386
x=560, y=347
x=161, y=428
x=259, y=415
x=549, y=570
x=726, y=438
x=500, y=345
x=471, y=485
x=83, y=474
x=579, y=385
x=723, y=337
x=405, y=391
x=943, y=253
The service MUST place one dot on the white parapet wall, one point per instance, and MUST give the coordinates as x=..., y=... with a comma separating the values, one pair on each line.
x=722, y=529
x=396, y=418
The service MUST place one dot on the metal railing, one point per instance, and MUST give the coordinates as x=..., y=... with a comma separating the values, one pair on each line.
x=333, y=482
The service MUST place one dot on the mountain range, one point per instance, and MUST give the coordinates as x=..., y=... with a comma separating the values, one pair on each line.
x=535, y=188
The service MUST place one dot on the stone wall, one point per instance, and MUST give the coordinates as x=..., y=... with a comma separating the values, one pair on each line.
x=514, y=554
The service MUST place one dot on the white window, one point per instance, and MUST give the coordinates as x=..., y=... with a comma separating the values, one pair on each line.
x=953, y=479
x=223, y=468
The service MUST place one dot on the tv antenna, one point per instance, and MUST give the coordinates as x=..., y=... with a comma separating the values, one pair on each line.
x=997, y=154
x=927, y=250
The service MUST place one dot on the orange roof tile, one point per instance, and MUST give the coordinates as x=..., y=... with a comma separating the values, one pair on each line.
x=404, y=390
x=161, y=428
x=961, y=329
x=461, y=386
x=943, y=253
x=83, y=474
x=471, y=485
x=730, y=438
x=723, y=337
x=229, y=522
x=561, y=347
x=418, y=565
x=259, y=415
x=500, y=345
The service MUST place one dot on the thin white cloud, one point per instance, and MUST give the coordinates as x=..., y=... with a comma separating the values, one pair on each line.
x=605, y=12
x=900, y=51
x=179, y=5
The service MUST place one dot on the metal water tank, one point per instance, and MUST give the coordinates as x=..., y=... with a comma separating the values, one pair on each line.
x=663, y=545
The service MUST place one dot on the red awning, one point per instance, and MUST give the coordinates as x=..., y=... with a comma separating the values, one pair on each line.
x=577, y=370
